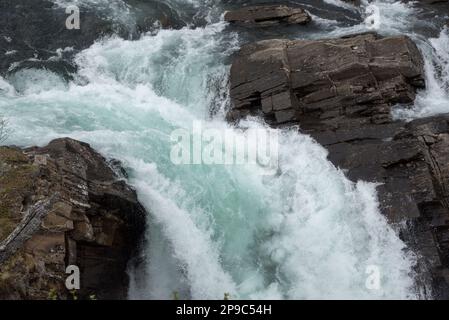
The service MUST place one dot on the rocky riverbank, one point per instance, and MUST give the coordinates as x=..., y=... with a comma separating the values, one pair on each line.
x=342, y=92
x=62, y=205
x=156, y=66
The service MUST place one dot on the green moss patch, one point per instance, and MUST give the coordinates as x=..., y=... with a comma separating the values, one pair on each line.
x=16, y=182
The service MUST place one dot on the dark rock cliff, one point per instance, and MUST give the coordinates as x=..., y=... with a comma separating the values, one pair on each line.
x=326, y=83
x=342, y=92
x=63, y=205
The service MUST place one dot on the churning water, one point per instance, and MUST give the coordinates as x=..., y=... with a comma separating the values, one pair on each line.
x=302, y=232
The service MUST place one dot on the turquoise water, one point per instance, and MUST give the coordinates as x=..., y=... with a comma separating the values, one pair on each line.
x=301, y=232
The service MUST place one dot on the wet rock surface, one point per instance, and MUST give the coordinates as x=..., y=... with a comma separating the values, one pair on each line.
x=63, y=205
x=354, y=80
x=409, y=161
x=265, y=16
x=342, y=92
x=31, y=32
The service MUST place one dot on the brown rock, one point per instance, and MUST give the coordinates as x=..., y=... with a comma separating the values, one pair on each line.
x=341, y=93
x=357, y=78
x=76, y=212
x=264, y=16
x=57, y=223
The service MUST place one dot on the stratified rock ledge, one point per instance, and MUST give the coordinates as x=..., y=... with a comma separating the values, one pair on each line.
x=265, y=16
x=354, y=80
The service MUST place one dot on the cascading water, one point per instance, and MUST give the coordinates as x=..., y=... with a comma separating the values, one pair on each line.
x=302, y=232
x=395, y=17
x=435, y=99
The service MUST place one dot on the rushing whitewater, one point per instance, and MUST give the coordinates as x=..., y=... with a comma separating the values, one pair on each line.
x=302, y=232
x=435, y=99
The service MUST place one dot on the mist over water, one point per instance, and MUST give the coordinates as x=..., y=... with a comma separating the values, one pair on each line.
x=303, y=232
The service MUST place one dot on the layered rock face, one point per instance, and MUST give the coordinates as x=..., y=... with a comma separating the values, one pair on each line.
x=341, y=92
x=65, y=205
x=354, y=79
x=263, y=16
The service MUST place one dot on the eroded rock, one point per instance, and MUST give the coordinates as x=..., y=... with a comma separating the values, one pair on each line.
x=63, y=205
x=264, y=16
x=354, y=79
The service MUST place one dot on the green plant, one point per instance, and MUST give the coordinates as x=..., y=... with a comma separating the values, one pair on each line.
x=53, y=294
x=74, y=295
x=175, y=295
x=227, y=296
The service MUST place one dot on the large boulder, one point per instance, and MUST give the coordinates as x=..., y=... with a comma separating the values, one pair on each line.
x=268, y=15
x=339, y=82
x=62, y=205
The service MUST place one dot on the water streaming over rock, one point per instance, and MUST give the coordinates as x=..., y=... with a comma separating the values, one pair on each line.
x=302, y=232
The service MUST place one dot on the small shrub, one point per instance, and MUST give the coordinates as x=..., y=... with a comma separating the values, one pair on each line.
x=53, y=294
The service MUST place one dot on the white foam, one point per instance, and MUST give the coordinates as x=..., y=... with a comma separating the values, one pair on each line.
x=306, y=232
x=323, y=22
x=29, y=81
x=342, y=4
x=6, y=89
x=112, y=10
x=435, y=99
x=387, y=17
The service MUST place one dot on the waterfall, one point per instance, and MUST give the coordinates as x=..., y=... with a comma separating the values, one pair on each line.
x=302, y=232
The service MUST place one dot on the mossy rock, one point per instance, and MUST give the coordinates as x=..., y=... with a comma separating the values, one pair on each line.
x=16, y=183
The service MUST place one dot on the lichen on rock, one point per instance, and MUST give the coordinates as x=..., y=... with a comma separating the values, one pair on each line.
x=64, y=205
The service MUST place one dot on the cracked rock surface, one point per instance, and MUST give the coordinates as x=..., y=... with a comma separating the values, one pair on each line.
x=62, y=205
x=268, y=15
